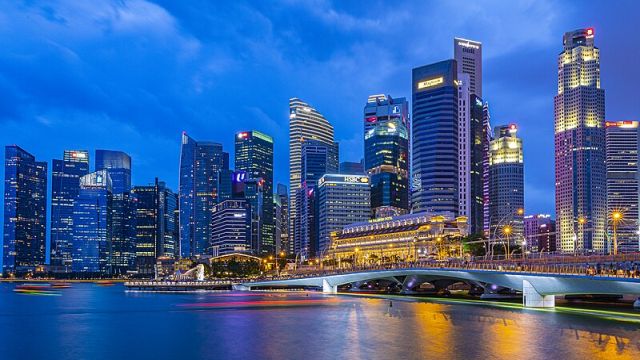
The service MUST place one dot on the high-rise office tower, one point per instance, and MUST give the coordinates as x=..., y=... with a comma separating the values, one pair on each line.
x=581, y=196
x=342, y=199
x=65, y=186
x=254, y=156
x=156, y=230
x=468, y=55
x=487, y=137
x=92, y=215
x=200, y=164
x=25, y=211
x=305, y=123
x=281, y=201
x=118, y=164
x=123, y=231
x=434, y=137
x=231, y=227
x=539, y=233
x=622, y=182
x=317, y=158
x=386, y=154
x=506, y=184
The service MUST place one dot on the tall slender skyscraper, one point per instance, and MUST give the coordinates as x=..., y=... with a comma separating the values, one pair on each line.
x=318, y=158
x=92, y=224
x=581, y=196
x=622, y=182
x=65, y=186
x=281, y=200
x=506, y=176
x=468, y=55
x=254, y=156
x=386, y=154
x=156, y=231
x=435, y=139
x=25, y=211
x=200, y=164
x=487, y=137
x=305, y=123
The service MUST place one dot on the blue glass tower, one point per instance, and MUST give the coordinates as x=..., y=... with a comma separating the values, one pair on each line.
x=200, y=164
x=25, y=211
x=92, y=216
x=435, y=139
x=118, y=164
x=386, y=154
x=65, y=186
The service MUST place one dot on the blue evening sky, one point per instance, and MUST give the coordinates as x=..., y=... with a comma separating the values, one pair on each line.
x=132, y=75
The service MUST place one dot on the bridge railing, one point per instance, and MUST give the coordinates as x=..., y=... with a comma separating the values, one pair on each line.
x=620, y=266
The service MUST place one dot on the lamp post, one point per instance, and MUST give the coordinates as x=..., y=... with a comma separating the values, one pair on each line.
x=616, y=216
x=507, y=231
x=282, y=254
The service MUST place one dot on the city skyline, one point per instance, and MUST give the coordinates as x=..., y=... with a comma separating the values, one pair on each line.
x=76, y=119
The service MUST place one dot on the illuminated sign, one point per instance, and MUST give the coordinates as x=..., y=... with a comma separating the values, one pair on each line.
x=431, y=82
x=627, y=124
x=590, y=32
x=239, y=176
x=243, y=135
x=478, y=102
x=371, y=119
x=78, y=155
x=396, y=110
x=469, y=44
x=356, y=179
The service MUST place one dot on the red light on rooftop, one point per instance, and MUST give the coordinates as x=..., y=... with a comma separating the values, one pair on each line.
x=243, y=135
x=591, y=32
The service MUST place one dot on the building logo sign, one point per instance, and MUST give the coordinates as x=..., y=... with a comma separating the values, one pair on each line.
x=468, y=44
x=396, y=110
x=356, y=179
x=430, y=83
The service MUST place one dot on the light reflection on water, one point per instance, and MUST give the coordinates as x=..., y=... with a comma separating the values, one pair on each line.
x=91, y=322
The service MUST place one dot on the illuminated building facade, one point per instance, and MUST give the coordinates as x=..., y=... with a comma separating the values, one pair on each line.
x=65, y=186
x=92, y=221
x=342, y=199
x=506, y=184
x=539, y=233
x=487, y=137
x=622, y=182
x=123, y=228
x=435, y=139
x=254, y=156
x=231, y=227
x=156, y=229
x=468, y=55
x=281, y=203
x=305, y=123
x=317, y=158
x=386, y=154
x=580, y=173
x=401, y=238
x=25, y=211
x=200, y=164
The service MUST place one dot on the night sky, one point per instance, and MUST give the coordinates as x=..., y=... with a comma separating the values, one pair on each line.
x=132, y=75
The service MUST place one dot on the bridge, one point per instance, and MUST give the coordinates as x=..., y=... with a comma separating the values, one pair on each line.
x=538, y=281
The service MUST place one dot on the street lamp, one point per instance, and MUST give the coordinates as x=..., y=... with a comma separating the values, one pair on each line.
x=507, y=231
x=616, y=216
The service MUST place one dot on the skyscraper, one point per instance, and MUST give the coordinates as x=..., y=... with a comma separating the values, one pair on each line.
x=231, y=227
x=622, y=182
x=254, y=156
x=92, y=222
x=200, y=164
x=386, y=154
x=581, y=197
x=487, y=137
x=352, y=167
x=539, y=232
x=25, y=211
x=305, y=123
x=118, y=164
x=435, y=139
x=342, y=199
x=468, y=55
x=65, y=186
x=281, y=201
x=318, y=158
x=123, y=230
x=156, y=230
x=506, y=176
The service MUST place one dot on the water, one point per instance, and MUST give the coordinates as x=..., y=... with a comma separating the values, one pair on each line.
x=92, y=322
